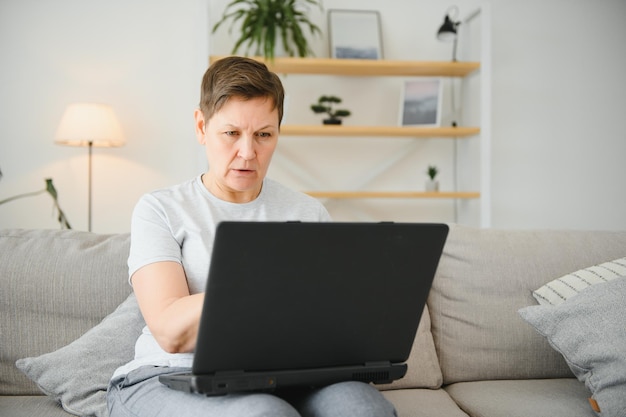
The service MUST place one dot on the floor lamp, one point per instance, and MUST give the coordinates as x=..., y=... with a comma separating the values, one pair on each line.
x=91, y=125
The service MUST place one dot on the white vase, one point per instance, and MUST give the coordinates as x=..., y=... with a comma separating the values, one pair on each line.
x=432, y=185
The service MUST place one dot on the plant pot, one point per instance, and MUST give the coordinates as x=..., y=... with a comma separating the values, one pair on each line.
x=432, y=185
x=332, y=121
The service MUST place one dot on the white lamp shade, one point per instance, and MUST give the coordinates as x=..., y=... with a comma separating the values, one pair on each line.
x=89, y=123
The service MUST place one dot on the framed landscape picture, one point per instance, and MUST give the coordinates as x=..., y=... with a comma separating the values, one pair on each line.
x=355, y=34
x=421, y=102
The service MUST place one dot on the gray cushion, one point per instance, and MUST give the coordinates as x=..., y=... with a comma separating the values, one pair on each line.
x=565, y=397
x=589, y=330
x=56, y=285
x=484, y=277
x=77, y=375
x=423, y=403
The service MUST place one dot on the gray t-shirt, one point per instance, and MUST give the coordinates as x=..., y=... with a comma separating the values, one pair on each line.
x=178, y=224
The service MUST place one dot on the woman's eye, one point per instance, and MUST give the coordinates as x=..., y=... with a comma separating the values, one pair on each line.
x=264, y=134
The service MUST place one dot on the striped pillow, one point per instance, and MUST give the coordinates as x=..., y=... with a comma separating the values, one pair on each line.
x=557, y=291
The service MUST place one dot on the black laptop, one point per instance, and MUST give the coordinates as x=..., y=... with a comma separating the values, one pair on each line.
x=310, y=304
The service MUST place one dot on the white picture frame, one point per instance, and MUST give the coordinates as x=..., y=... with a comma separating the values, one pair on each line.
x=355, y=34
x=421, y=102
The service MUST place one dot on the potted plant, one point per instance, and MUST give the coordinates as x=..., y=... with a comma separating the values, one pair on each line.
x=263, y=22
x=63, y=222
x=432, y=184
x=325, y=105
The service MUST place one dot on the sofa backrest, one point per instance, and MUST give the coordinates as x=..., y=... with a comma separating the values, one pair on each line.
x=484, y=277
x=54, y=286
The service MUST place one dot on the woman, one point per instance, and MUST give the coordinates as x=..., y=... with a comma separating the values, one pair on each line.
x=172, y=231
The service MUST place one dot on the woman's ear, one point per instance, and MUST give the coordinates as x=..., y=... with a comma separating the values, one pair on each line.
x=200, y=126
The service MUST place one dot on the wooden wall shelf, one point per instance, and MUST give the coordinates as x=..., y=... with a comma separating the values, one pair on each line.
x=398, y=131
x=366, y=67
x=394, y=194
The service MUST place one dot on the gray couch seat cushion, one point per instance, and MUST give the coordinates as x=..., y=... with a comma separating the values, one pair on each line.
x=30, y=406
x=565, y=397
x=423, y=403
x=485, y=276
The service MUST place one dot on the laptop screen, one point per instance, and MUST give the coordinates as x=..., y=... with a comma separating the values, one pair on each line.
x=305, y=295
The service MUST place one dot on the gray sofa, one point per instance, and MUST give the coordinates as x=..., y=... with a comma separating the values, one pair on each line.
x=474, y=355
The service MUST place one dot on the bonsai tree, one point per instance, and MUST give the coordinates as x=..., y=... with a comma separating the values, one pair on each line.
x=264, y=21
x=325, y=105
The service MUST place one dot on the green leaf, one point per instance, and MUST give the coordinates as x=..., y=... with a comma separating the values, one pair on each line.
x=50, y=189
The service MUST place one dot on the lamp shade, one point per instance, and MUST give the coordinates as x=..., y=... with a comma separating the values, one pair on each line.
x=447, y=31
x=85, y=124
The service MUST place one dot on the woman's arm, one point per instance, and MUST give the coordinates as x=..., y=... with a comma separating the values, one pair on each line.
x=171, y=313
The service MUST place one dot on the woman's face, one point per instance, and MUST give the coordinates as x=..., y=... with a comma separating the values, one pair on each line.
x=239, y=141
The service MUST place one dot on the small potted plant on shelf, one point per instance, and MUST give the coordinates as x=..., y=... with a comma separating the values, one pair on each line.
x=264, y=22
x=432, y=184
x=325, y=105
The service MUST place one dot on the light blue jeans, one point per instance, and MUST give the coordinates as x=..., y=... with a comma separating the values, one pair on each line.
x=140, y=394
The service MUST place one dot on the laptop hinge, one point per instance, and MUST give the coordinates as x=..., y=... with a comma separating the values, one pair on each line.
x=229, y=373
x=378, y=363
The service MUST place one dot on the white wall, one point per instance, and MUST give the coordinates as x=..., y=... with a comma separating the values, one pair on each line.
x=143, y=57
x=559, y=104
x=558, y=99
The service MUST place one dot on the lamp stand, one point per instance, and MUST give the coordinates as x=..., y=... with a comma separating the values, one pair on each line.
x=90, y=146
x=89, y=124
x=454, y=49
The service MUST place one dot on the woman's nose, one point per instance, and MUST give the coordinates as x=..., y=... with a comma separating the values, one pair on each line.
x=246, y=148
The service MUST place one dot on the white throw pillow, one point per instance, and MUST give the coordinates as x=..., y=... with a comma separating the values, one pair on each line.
x=557, y=291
